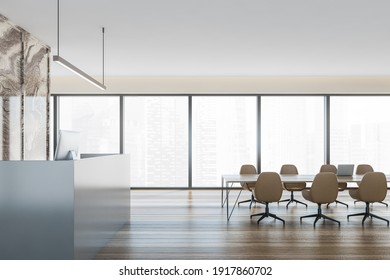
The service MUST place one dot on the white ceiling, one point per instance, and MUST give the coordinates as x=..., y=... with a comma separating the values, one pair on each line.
x=214, y=37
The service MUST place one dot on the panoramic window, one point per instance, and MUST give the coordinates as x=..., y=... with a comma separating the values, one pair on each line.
x=360, y=131
x=292, y=132
x=156, y=137
x=223, y=137
x=224, y=134
x=97, y=119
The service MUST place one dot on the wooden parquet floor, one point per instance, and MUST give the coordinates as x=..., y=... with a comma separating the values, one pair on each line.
x=191, y=225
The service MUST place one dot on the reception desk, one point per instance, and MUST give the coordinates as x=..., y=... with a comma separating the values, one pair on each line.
x=62, y=209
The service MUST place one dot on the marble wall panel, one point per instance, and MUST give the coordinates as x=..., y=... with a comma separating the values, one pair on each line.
x=1, y=128
x=36, y=88
x=10, y=87
x=24, y=92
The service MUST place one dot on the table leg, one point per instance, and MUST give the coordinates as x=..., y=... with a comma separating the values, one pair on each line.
x=227, y=201
x=229, y=214
x=222, y=201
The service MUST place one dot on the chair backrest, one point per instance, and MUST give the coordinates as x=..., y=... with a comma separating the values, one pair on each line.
x=362, y=169
x=373, y=187
x=333, y=169
x=328, y=168
x=268, y=187
x=291, y=169
x=248, y=169
x=288, y=169
x=324, y=188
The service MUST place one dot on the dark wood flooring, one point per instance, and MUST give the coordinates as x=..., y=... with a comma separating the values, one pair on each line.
x=185, y=224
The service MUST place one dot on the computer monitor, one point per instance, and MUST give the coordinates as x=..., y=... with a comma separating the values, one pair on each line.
x=67, y=145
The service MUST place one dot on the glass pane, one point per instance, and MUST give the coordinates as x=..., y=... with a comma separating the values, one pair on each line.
x=36, y=71
x=97, y=119
x=156, y=137
x=15, y=133
x=292, y=132
x=360, y=131
x=51, y=127
x=224, y=137
x=35, y=129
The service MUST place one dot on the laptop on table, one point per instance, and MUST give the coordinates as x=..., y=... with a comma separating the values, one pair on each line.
x=345, y=169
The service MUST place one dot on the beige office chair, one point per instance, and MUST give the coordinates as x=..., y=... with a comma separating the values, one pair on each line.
x=362, y=169
x=268, y=189
x=292, y=187
x=342, y=186
x=372, y=188
x=248, y=169
x=323, y=190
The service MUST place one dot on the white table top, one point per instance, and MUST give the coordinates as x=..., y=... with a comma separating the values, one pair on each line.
x=240, y=178
x=229, y=180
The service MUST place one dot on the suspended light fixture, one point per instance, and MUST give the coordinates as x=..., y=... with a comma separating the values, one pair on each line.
x=57, y=58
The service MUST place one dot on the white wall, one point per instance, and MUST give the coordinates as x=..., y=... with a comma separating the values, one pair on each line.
x=216, y=84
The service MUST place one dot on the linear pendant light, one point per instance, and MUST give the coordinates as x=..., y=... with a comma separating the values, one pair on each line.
x=57, y=58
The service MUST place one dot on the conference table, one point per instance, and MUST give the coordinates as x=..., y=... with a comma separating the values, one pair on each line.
x=229, y=180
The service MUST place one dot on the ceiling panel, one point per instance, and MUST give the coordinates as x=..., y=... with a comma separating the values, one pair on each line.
x=214, y=37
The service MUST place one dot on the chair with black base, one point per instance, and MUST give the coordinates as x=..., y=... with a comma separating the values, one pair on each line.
x=324, y=189
x=268, y=189
x=248, y=169
x=342, y=186
x=362, y=169
x=290, y=169
x=372, y=188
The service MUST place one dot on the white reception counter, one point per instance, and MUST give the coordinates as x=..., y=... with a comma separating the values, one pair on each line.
x=62, y=209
